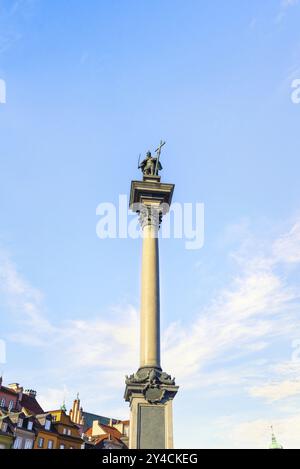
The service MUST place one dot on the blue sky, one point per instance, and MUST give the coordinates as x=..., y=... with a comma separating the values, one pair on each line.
x=89, y=87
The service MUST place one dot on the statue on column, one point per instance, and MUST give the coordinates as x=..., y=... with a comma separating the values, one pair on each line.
x=151, y=165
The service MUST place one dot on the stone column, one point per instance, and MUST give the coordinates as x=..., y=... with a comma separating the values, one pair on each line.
x=150, y=391
x=150, y=303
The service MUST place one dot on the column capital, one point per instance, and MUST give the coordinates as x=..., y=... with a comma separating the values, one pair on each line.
x=150, y=215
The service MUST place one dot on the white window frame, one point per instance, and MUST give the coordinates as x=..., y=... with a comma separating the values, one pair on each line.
x=28, y=444
x=41, y=442
x=50, y=444
x=18, y=442
x=11, y=405
x=29, y=425
x=62, y=446
x=64, y=431
x=47, y=424
x=69, y=433
x=3, y=402
x=20, y=423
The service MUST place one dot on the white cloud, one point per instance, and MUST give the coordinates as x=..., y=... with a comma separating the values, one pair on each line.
x=236, y=322
x=53, y=398
x=2, y=91
x=287, y=247
x=24, y=301
x=285, y=5
x=224, y=348
x=277, y=391
x=256, y=434
x=289, y=3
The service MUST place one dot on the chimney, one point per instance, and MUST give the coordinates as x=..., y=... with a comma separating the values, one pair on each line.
x=15, y=387
x=31, y=393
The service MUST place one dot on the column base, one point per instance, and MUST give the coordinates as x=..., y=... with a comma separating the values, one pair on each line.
x=150, y=393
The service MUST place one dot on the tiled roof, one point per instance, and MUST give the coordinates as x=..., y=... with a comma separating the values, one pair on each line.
x=100, y=438
x=89, y=419
x=6, y=390
x=31, y=404
x=89, y=431
x=28, y=402
x=112, y=431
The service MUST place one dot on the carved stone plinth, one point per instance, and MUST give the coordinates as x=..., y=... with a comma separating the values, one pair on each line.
x=150, y=393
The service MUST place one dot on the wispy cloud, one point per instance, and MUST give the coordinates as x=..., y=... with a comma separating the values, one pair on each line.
x=277, y=391
x=24, y=301
x=10, y=14
x=256, y=433
x=258, y=308
x=224, y=347
x=285, y=5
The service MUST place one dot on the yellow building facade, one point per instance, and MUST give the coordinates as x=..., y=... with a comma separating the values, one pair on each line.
x=67, y=433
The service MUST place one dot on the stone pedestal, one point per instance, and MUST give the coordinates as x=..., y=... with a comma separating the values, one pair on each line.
x=151, y=415
x=150, y=391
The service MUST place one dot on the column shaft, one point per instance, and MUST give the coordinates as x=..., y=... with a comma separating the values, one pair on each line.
x=150, y=308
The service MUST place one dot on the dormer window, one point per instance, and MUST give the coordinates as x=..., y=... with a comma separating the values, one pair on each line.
x=20, y=423
x=29, y=425
x=4, y=427
x=47, y=425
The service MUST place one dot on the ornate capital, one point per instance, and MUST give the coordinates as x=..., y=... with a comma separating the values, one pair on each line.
x=150, y=376
x=153, y=384
x=150, y=215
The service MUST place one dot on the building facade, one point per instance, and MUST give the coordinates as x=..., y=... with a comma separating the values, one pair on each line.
x=68, y=433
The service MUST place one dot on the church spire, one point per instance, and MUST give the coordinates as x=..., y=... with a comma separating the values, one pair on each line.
x=76, y=413
x=275, y=444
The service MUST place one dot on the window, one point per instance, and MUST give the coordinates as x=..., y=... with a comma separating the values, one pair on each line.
x=11, y=405
x=28, y=444
x=4, y=427
x=64, y=431
x=69, y=432
x=18, y=443
x=29, y=425
x=40, y=442
x=50, y=444
x=47, y=424
x=2, y=403
x=20, y=423
x=61, y=446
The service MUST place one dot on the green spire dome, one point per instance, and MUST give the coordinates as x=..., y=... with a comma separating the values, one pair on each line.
x=275, y=444
x=63, y=407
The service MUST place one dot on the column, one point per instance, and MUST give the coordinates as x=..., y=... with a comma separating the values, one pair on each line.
x=150, y=302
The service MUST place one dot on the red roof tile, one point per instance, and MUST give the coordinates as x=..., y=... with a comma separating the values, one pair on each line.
x=111, y=431
x=89, y=431
x=31, y=404
x=8, y=391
